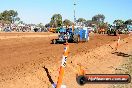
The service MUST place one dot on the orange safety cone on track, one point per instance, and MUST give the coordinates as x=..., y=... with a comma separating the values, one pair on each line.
x=81, y=70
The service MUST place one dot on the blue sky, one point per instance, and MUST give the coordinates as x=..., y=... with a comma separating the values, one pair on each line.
x=36, y=11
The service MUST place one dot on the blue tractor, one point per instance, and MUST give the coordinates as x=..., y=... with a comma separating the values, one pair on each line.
x=68, y=35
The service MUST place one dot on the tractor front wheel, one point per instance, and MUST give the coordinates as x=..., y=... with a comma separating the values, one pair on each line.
x=54, y=41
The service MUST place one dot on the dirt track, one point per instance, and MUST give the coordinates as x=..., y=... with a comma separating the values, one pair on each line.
x=22, y=59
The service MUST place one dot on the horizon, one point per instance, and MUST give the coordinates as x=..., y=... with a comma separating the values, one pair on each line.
x=36, y=12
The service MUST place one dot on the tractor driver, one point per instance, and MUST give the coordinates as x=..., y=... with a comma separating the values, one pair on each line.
x=67, y=29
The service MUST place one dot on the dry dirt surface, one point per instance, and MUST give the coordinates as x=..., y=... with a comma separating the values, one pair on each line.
x=23, y=56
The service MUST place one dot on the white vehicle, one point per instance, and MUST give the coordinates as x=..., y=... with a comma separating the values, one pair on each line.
x=90, y=29
x=129, y=28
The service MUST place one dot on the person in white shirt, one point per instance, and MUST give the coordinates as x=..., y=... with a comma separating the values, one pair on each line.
x=86, y=33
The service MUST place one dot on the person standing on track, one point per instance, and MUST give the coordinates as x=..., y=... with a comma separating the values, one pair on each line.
x=86, y=33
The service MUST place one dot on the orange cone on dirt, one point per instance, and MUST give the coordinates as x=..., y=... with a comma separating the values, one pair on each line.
x=81, y=70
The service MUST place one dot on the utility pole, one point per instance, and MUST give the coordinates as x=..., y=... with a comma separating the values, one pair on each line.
x=74, y=12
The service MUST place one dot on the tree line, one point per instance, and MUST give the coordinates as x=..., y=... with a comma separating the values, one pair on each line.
x=98, y=20
x=11, y=16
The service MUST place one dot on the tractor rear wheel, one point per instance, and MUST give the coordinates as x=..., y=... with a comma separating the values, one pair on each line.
x=108, y=32
x=76, y=38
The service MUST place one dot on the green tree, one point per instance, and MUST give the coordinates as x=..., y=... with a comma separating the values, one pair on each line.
x=81, y=20
x=103, y=25
x=1, y=16
x=118, y=22
x=47, y=25
x=56, y=20
x=21, y=22
x=98, y=18
x=90, y=23
x=9, y=16
x=67, y=22
x=128, y=22
x=40, y=25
